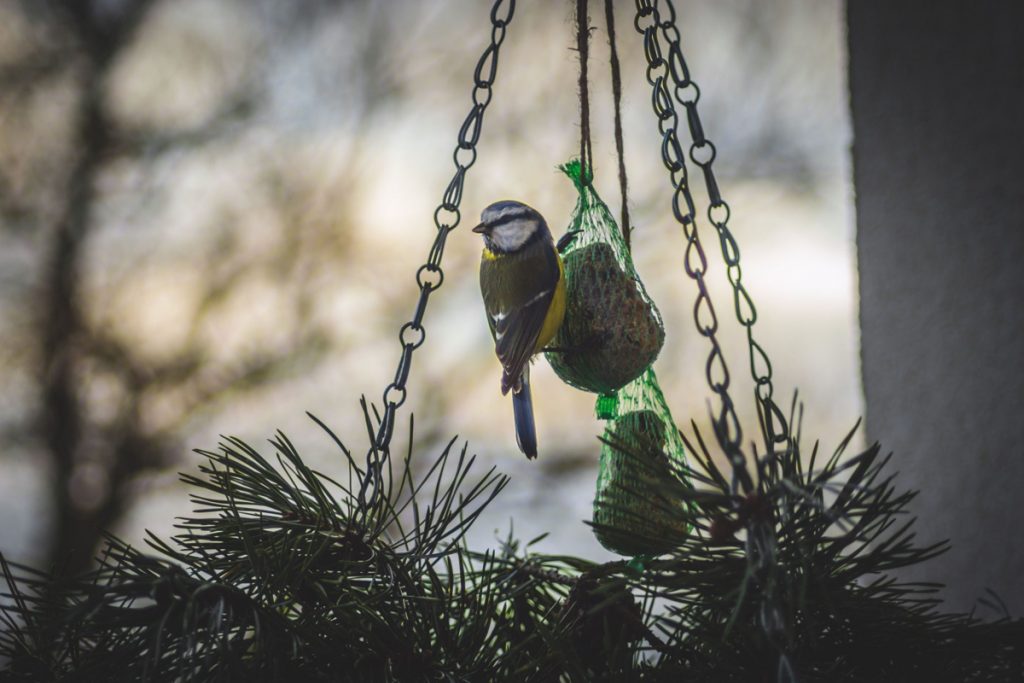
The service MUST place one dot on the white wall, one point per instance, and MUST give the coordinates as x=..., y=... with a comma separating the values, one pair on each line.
x=938, y=119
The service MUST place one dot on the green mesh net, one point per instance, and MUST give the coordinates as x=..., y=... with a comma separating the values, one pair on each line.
x=611, y=335
x=638, y=507
x=612, y=331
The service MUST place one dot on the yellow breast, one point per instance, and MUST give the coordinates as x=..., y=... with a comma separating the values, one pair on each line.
x=556, y=312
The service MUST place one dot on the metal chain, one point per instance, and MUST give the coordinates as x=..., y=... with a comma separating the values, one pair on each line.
x=726, y=425
x=760, y=542
x=430, y=276
x=702, y=153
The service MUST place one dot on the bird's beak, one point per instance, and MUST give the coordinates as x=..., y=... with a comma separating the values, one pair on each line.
x=482, y=228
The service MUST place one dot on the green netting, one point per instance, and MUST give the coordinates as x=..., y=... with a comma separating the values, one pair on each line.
x=638, y=507
x=611, y=335
x=612, y=331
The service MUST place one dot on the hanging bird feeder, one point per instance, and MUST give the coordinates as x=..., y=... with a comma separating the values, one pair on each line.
x=610, y=337
x=612, y=330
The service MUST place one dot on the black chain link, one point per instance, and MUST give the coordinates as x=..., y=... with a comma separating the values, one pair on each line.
x=727, y=426
x=430, y=276
x=760, y=542
x=703, y=153
x=667, y=70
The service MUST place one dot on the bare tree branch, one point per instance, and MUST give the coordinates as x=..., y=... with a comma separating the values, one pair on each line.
x=63, y=419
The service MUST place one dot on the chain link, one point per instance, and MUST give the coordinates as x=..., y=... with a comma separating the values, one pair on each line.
x=727, y=426
x=669, y=76
x=703, y=153
x=662, y=71
x=430, y=276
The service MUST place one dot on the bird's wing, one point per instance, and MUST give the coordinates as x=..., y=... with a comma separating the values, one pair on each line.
x=517, y=292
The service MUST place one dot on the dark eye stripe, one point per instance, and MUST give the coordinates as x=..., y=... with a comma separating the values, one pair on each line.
x=509, y=217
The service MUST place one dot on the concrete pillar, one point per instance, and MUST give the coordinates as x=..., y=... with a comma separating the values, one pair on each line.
x=937, y=98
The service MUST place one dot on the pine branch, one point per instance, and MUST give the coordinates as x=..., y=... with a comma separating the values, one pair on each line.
x=282, y=572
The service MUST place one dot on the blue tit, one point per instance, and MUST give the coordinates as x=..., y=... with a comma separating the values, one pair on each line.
x=522, y=280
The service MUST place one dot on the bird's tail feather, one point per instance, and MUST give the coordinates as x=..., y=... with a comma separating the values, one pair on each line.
x=522, y=405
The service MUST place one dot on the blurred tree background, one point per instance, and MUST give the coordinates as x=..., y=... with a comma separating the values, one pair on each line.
x=211, y=212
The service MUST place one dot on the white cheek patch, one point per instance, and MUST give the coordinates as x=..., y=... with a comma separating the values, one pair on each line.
x=512, y=235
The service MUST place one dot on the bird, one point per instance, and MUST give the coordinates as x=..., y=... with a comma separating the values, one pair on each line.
x=522, y=280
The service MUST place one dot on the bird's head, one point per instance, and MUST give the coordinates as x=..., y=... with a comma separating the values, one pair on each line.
x=508, y=226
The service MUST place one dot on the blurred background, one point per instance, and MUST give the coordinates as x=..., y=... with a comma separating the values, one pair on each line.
x=212, y=211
